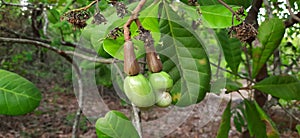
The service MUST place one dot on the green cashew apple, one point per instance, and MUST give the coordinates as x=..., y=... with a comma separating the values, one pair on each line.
x=139, y=91
x=164, y=100
x=161, y=81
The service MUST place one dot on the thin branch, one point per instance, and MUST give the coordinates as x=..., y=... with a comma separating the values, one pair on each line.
x=136, y=120
x=245, y=50
x=46, y=23
x=230, y=9
x=292, y=115
x=93, y=59
x=219, y=65
x=80, y=101
x=291, y=12
x=268, y=8
x=85, y=7
x=228, y=71
x=56, y=50
x=64, y=43
x=17, y=5
x=36, y=43
x=134, y=15
x=291, y=21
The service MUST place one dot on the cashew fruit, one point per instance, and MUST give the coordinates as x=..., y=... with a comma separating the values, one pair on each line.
x=164, y=99
x=161, y=81
x=139, y=91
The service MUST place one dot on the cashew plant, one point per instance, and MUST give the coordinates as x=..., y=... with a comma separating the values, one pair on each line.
x=161, y=46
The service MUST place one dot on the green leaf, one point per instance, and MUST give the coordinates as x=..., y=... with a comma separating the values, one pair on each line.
x=232, y=85
x=244, y=3
x=238, y=121
x=225, y=124
x=298, y=128
x=116, y=125
x=184, y=58
x=284, y=86
x=256, y=126
x=53, y=15
x=270, y=34
x=17, y=95
x=190, y=11
x=271, y=129
x=218, y=16
x=232, y=50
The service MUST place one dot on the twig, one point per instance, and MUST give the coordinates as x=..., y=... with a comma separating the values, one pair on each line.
x=245, y=50
x=231, y=72
x=76, y=123
x=85, y=7
x=93, y=59
x=229, y=8
x=45, y=23
x=17, y=5
x=137, y=120
x=219, y=65
x=56, y=50
x=80, y=101
x=268, y=8
x=292, y=115
x=38, y=44
x=64, y=43
x=134, y=15
x=291, y=21
x=291, y=12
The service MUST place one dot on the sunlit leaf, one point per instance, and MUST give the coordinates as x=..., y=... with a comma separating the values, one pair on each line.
x=225, y=123
x=232, y=50
x=116, y=125
x=218, y=16
x=184, y=58
x=244, y=3
x=284, y=86
x=256, y=126
x=270, y=34
x=17, y=95
x=271, y=129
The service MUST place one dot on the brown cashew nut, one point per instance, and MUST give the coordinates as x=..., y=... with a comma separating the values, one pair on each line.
x=131, y=66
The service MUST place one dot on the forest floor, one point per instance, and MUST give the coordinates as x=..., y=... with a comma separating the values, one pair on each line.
x=54, y=118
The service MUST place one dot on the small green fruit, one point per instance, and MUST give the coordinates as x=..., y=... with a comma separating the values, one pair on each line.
x=161, y=81
x=164, y=100
x=139, y=91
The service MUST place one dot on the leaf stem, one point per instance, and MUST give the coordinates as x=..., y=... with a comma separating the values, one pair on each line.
x=228, y=71
x=133, y=17
x=230, y=9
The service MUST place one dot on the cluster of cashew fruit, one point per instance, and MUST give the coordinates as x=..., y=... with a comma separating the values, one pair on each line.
x=141, y=91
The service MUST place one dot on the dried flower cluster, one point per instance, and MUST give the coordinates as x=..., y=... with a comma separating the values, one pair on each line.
x=76, y=18
x=121, y=8
x=241, y=11
x=193, y=2
x=145, y=36
x=244, y=32
x=115, y=33
x=98, y=19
